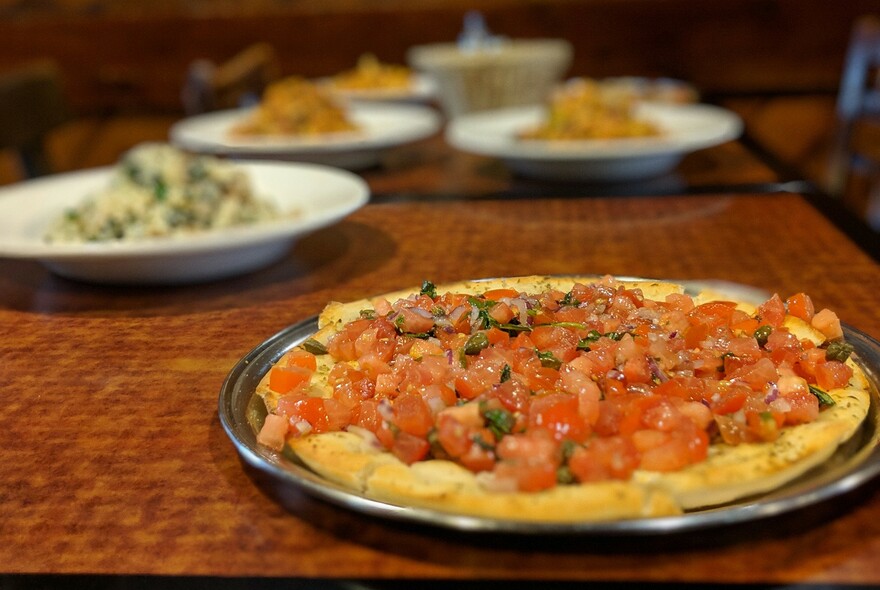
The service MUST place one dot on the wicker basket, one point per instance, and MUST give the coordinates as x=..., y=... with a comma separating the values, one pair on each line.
x=512, y=73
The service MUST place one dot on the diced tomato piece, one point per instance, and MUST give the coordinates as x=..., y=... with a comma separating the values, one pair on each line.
x=529, y=476
x=558, y=414
x=827, y=322
x=772, y=311
x=412, y=415
x=713, y=314
x=800, y=306
x=803, y=407
x=730, y=401
x=833, y=375
x=452, y=435
x=501, y=293
x=502, y=313
x=695, y=334
x=675, y=450
x=273, y=432
x=613, y=457
x=562, y=342
x=341, y=345
x=479, y=455
x=409, y=448
x=513, y=395
x=531, y=459
x=367, y=415
x=306, y=409
x=614, y=388
x=637, y=370
x=339, y=414
x=540, y=378
x=286, y=379
x=672, y=388
x=475, y=381
x=414, y=321
x=756, y=375
x=300, y=358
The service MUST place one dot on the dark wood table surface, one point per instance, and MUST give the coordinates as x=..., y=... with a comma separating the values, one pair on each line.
x=114, y=465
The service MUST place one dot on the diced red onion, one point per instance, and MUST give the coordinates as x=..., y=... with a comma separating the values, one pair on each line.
x=367, y=436
x=772, y=392
x=656, y=371
x=302, y=426
x=385, y=410
x=422, y=313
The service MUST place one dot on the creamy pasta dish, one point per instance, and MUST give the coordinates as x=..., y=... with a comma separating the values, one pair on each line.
x=157, y=190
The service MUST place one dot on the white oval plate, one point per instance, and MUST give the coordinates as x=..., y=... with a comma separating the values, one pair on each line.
x=384, y=126
x=686, y=128
x=320, y=194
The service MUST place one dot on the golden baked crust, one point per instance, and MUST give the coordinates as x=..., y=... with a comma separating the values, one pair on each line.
x=357, y=461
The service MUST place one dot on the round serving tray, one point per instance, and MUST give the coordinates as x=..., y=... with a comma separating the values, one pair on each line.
x=242, y=413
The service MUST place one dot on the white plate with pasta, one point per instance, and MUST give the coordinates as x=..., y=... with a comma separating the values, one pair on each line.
x=306, y=197
x=381, y=127
x=683, y=129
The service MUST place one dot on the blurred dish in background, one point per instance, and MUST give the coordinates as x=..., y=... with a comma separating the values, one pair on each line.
x=587, y=109
x=158, y=191
x=373, y=80
x=379, y=127
x=483, y=71
x=294, y=107
x=665, y=90
x=305, y=198
x=683, y=129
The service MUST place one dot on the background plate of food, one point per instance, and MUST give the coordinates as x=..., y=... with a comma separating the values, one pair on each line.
x=372, y=130
x=373, y=80
x=163, y=217
x=536, y=142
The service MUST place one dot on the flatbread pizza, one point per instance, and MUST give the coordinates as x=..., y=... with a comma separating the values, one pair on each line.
x=565, y=399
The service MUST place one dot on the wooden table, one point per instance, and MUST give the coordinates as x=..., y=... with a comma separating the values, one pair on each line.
x=113, y=461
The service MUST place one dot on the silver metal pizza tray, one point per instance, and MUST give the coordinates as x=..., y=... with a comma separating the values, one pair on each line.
x=855, y=464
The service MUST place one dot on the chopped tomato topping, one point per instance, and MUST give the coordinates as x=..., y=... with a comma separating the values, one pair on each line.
x=542, y=388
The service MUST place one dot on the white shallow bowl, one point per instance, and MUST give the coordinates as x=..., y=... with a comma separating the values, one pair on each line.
x=686, y=128
x=383, y=126
x=319, y=194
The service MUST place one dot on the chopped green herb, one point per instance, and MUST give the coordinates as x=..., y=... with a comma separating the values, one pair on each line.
x=569, y=299
x=367, y=314
x=825, y=400
x=572, y=325
x=429, y=289
x=505, y=373
x=160, y=189
x=315, y=347
x=548, y=360
x=483, y=306
x=483, y=444
x=499, y=421
x=838, y=351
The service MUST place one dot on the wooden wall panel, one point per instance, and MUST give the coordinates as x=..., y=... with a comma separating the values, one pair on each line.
x=132, y=55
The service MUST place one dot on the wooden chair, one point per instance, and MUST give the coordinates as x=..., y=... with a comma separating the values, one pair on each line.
x=32, y=104
x=858, y=99
x=237, y=82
